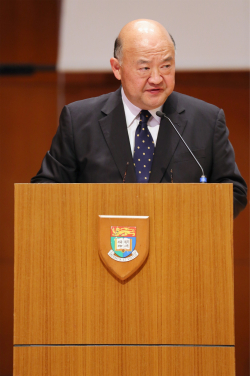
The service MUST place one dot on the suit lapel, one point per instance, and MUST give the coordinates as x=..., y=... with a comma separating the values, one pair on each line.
x=168, y=139
x=114, y=129
x=115, y=132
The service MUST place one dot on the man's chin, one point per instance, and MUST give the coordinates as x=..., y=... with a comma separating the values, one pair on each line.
x=155, y=101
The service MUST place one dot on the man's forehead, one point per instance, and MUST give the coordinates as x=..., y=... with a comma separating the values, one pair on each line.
x=140, y=54
x=148, y=45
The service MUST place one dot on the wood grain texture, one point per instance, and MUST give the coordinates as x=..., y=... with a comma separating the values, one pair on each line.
x=123, y=361
x=28, y=121
x=65, y=295
x=28, y=31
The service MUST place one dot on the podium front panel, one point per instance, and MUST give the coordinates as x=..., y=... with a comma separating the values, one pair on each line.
x=123, y=361
x=182, y=295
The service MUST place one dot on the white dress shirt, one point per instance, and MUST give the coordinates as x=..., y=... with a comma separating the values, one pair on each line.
x=132, y=119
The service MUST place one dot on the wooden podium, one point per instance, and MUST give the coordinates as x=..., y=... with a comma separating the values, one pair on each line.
x=174, y=317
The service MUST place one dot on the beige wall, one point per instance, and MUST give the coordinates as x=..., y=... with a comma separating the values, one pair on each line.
x=209, y=35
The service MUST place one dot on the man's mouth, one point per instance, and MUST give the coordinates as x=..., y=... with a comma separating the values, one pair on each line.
x=154, y=91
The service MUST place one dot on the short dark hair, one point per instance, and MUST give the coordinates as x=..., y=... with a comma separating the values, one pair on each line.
x=118, y=47
x=172, y=39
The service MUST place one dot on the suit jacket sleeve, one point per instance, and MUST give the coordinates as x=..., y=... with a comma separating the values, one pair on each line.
x=224, y=168
x=59, y=164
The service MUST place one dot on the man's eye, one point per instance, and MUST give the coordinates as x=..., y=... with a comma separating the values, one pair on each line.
x=144, y=68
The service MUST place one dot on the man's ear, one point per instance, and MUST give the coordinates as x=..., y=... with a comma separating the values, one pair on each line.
x=115, y=65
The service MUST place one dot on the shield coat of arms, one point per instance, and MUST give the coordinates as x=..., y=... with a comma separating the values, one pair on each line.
x=123, y=243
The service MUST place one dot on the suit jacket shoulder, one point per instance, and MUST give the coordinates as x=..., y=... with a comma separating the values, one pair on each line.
x=182, y=101
x=91, y=106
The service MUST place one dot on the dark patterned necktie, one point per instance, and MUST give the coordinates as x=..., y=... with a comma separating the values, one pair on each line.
x=144, y=149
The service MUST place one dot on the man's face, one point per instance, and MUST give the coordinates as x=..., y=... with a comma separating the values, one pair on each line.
x=147, y=72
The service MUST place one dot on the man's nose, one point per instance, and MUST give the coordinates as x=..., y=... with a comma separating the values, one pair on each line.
x=155, y=77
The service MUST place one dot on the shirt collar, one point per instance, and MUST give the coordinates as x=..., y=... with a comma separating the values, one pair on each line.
x=131, y=111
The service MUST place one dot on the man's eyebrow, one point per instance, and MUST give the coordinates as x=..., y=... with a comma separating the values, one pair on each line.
x=169, y=58
x=141, y=61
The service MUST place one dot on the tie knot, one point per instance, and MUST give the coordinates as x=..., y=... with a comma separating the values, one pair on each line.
x=144, y=116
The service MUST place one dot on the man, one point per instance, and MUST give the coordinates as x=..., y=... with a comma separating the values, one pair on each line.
x=113, y=138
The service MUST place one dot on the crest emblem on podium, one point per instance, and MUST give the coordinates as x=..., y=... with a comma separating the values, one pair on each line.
x=123, y=240
x=128, y=238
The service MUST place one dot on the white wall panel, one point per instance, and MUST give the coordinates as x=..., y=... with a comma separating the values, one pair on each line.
x=210, y=34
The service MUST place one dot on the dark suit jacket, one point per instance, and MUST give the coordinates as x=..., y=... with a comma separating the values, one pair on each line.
x=92, y=145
